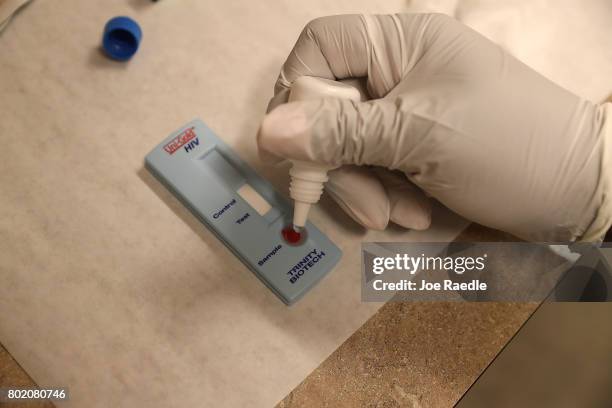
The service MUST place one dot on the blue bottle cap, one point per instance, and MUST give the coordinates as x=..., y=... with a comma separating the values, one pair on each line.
x=121, y=38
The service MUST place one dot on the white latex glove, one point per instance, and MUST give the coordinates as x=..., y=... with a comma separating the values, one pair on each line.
x=457, y=116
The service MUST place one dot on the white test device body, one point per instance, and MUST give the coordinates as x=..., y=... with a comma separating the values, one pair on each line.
x=308, y=178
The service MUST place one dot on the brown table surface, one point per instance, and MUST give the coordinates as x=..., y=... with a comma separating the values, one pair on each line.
x=415, y=354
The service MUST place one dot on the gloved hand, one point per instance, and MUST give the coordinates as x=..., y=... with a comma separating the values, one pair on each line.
x=451, y=113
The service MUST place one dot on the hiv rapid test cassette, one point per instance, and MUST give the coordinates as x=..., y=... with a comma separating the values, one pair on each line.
x=243, y=210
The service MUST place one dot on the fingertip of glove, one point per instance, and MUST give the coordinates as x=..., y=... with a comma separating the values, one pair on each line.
x=359, y=193
x=409, y=215
x=419, y=223
x=278, y=132
x=371, y=220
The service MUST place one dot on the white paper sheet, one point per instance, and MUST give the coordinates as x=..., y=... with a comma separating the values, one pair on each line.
x=108, y=286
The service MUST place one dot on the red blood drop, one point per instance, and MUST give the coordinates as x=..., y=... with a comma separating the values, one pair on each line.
x=292, y=236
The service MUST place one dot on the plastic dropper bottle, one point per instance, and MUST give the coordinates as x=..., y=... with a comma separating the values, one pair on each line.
x=307, y=178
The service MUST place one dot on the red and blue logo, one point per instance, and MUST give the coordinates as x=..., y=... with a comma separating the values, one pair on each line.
x=181, y=140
